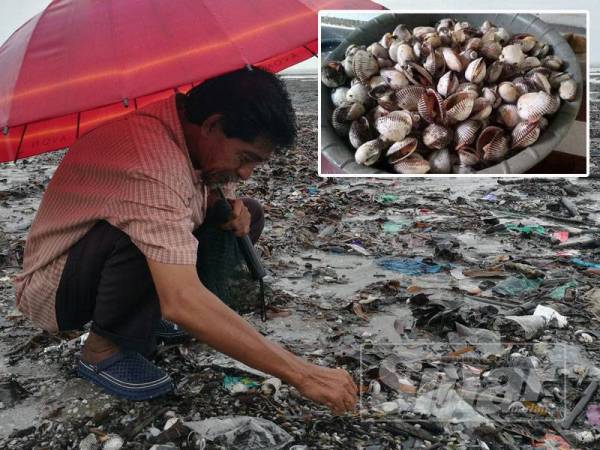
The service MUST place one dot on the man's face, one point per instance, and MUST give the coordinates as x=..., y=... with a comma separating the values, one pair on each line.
x=220, y=158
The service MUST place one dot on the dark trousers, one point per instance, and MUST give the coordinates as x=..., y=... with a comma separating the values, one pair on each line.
x=106, y=280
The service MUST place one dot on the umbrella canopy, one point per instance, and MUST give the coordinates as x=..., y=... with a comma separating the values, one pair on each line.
x=80, y=63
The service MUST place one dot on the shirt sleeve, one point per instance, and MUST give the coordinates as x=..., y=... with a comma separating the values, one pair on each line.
x=155, y=213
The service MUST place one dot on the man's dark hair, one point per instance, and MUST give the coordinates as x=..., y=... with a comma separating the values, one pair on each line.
x=253, y=103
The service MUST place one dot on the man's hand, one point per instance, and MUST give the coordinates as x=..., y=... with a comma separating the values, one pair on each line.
x=239, y=221
x=333, y=388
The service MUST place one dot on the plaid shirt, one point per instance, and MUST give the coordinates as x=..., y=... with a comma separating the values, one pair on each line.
x=136, y=174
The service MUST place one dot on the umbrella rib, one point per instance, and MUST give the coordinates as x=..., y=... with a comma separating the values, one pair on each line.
x=20, y=143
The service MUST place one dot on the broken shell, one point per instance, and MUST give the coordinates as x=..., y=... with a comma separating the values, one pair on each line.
x=468, y=156
x=440, y=161
x=402, y=149
x=508, y=115
x=357, y=93
x=338, y=96
x=360, y=132
x=524, y=134
x=431, y=107
x=447, y=84
x=408, y=97
x=512, y=54
x=508, y=92
x=369, y=153
x=413, y=164
x=395, y=126
x=395, y=79
x=476, y=71
x=452, y=59
x=460, y=105
x=466, y=133
x=568, y=90
x=436, y=136
x=534, y=105
x=333, y=74
x=492, y=143
x=364, y=65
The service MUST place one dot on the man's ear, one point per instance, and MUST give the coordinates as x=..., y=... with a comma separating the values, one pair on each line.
x=211, y=124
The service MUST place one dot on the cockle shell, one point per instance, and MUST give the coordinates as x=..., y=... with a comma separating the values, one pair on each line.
x=340, y=121
x=431, y=107
x=491, y=50
x=417, y=74
x=492, y=143
x=556, y=78
x=568, y=90
x=467, y=56
x=404, y=53
x=541, y=82
x=402, y=149
x=494, y=71
x=386, y=40
x=452, y=59
x=393, y=49
x=523, y=85
x=408, y=97
x=508, y=92
x=413, y=164
x=552, y=62
x=527, y=42
x=476, y=71
x=440, y=161
x=395, y=126
x=530, y=62
x=385, y=97
x=369, y=153
x=420, y=32
x=378, y=50
x=524, y=134
x=338, y=96
x=508, y=115
x=360, y=132
x=394, y=78
x=534, y=105
x=473, y=44
x=436, y=136
x=459, y=105
x=333, y=74
x=466, y=133
x=435, y=64
x=512, y=54
x=468, y=156
x=482, y=108
x=447, y=84
x=364, y=65
x=491, y=96
x=402, y=33
x=357, y=94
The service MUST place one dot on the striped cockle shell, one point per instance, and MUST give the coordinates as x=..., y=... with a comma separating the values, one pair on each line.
x=431, y=107
x=524, y=85
x=376, y=113
x=492, y=143
x=508, y=92
x=447, y=84
x=413, y=164
x=494, y=71
x=378, y=50
x=404, y=54
x=417, y=74
x=491, y=50
x=541, y=82
x=364, y=65
x=476, y=71
x=436, y=136
x=460, y=105
x=512, y=54
x=402, y=33
x=466, y=133
x=552, y=62
x=360, y=132
x=435, y=64
x=369, y=152
x=352, y=49
x=385, y=96
x=508, y=115
x=393, y=49
x=340, y=121
x=348, y=67
x=402, y=149
x=491, y=96
x=358, y=93
x=420, y=32
x=338, y=96
x=395, y=126
x=482, y=108
x=394, y=78
x=408, y=97
x=530, y=62
x=468, y=156
x=534, y=105
x=467, y=86
x=524, y=134
x=386, y=40
x=452, y=59
x=440, y=161
x=333, y=74
x=568, y=90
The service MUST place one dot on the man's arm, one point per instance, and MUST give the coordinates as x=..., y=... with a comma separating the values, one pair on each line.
x=185, y=301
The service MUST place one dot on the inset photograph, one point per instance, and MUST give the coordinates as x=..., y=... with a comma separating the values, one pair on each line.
x=453, y=94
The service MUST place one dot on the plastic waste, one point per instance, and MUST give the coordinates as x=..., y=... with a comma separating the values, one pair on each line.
x=526, y=327
x=593, y=415
x=490, y=197
x=394, y=226
x=445, y=404
x=562, y=236
x=386, y=199
x=408, y=266
x=526, y=229
x=559, y=292
x=552, y=317
x=486, y=341
x=586, y=264
x=238, y=385
x=514, y=286
x=242, y=432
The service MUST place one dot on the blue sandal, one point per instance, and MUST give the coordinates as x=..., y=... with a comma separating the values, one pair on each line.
x=169, y=333
x=128, y=375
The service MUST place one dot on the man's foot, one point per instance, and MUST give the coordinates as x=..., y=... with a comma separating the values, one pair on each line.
x=169, y=333
x=128, y=375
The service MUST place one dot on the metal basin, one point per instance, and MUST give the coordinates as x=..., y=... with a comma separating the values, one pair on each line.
x=340, y=153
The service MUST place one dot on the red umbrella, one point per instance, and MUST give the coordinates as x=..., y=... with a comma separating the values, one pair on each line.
x=80, y=63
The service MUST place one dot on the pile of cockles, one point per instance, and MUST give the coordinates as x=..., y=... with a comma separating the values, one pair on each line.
x=446, y=99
